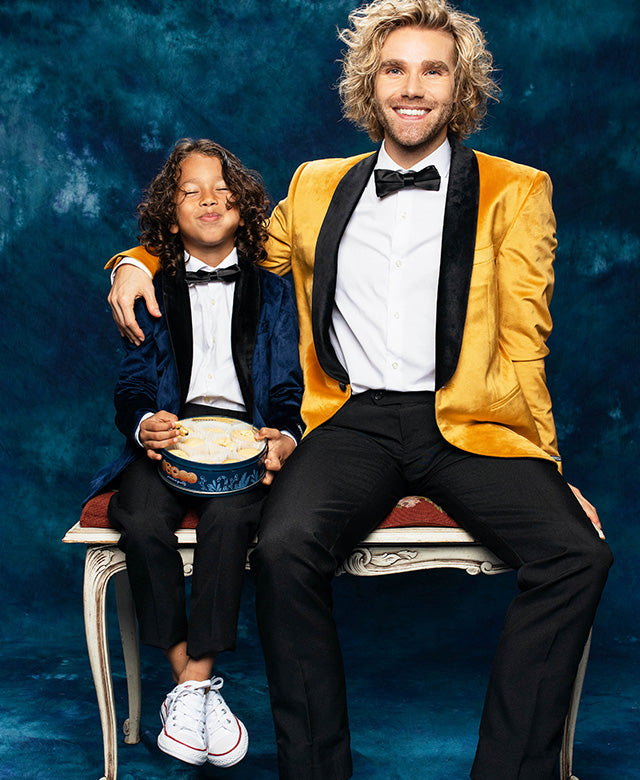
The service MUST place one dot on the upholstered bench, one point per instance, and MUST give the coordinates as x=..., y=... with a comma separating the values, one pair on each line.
x=416, y=535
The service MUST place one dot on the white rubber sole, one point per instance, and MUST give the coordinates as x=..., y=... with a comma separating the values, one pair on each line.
x=236, y=754
x=172, y=747
x=180, y=750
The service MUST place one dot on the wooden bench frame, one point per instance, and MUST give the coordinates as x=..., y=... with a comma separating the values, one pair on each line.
x=385, y=551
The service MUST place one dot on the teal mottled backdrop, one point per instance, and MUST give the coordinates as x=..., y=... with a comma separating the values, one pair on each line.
x=93, y=96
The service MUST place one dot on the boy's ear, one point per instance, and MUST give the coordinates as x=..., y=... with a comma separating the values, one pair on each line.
x=174, y=229
x=241, y=223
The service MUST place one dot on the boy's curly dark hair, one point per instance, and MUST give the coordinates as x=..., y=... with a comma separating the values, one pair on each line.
x=157, y=212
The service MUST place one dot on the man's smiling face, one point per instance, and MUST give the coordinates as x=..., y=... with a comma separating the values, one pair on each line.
x=414, y=92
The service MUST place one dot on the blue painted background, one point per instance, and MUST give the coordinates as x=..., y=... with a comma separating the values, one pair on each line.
x=94, y=94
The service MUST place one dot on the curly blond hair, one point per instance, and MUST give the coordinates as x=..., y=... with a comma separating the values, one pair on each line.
x=370, y=26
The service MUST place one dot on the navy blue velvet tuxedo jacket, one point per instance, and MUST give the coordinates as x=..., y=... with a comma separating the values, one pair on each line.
x=264, y=345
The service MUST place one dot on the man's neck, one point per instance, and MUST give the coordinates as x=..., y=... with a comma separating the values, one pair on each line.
x=440, y=158
x=407, y=157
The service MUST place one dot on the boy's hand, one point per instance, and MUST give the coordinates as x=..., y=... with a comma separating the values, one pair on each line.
x=280, y=447
x=157, y=432
x=129, y=284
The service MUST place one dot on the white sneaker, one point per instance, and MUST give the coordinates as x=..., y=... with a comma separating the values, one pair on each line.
x=182, y=713
x=227, y=737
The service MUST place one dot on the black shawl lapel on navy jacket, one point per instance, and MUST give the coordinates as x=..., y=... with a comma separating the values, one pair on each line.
x=177, y=311
x=244, y=327
x=458, y=244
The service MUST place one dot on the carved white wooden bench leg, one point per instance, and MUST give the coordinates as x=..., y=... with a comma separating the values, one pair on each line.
x=101, y=563
x=128, y=624
x=566, y=752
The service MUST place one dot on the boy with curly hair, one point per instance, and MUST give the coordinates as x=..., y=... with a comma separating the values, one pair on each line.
x=229, y=346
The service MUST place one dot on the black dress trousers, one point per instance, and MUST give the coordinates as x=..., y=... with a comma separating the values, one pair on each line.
x=147, y=512
x=338, y=485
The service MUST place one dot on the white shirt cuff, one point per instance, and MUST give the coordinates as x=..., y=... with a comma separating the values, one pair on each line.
x=144, y=417
x=130, y=261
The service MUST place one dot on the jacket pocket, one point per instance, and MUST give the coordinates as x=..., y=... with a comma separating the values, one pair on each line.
x=484, y=255
x=505, y=399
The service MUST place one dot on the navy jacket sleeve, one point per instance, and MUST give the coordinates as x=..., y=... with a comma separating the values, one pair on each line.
x=136, y=391
x=282, y=407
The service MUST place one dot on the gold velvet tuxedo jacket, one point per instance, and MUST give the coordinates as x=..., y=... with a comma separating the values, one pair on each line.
x=495, y=285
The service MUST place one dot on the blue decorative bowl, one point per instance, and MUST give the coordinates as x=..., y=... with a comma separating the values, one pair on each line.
x=215, y=455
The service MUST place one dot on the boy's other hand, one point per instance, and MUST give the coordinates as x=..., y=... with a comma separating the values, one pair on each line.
x=129, y=284
x=280, y=447
x=158, y=432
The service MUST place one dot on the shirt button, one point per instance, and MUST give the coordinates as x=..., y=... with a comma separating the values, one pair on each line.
x=396, y=315
x=209, y=376
x=398, y=263
x=213, y=301
x=394, y=364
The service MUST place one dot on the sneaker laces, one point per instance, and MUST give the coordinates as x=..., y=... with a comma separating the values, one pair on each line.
x=181, y=702
x=217, y=706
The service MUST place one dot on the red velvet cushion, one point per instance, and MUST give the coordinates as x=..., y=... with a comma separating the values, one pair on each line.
x=410, y=511
x=94, y=513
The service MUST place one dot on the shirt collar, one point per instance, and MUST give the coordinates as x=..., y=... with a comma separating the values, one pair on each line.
x=441, y=158
x=192, y=263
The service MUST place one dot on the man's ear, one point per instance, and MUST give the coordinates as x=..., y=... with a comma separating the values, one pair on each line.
x=174, y=229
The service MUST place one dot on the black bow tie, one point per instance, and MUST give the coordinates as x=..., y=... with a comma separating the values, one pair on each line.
x=219, y=275
x=392, y=181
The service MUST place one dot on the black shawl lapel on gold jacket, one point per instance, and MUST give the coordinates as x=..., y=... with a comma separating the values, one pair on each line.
x=458, y=243
x=456, y=259
x=244, y=326
x=343, y=203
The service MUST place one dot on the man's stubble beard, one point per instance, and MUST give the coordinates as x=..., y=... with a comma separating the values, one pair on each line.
x=424, y=140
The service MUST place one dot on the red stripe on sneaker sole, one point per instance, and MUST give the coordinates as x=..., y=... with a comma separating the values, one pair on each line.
x=197, y=750
x=235, y=746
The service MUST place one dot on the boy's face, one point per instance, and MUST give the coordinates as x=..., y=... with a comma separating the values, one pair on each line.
x=205, y=222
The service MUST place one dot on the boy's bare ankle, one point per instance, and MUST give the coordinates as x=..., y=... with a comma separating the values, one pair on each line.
x=198, y=670
x=187, y=677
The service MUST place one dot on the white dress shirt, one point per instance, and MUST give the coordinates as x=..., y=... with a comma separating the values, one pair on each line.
x=384, y=319
x=213, y=376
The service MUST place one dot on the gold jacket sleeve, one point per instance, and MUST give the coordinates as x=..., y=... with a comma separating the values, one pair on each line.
x=151, y=262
